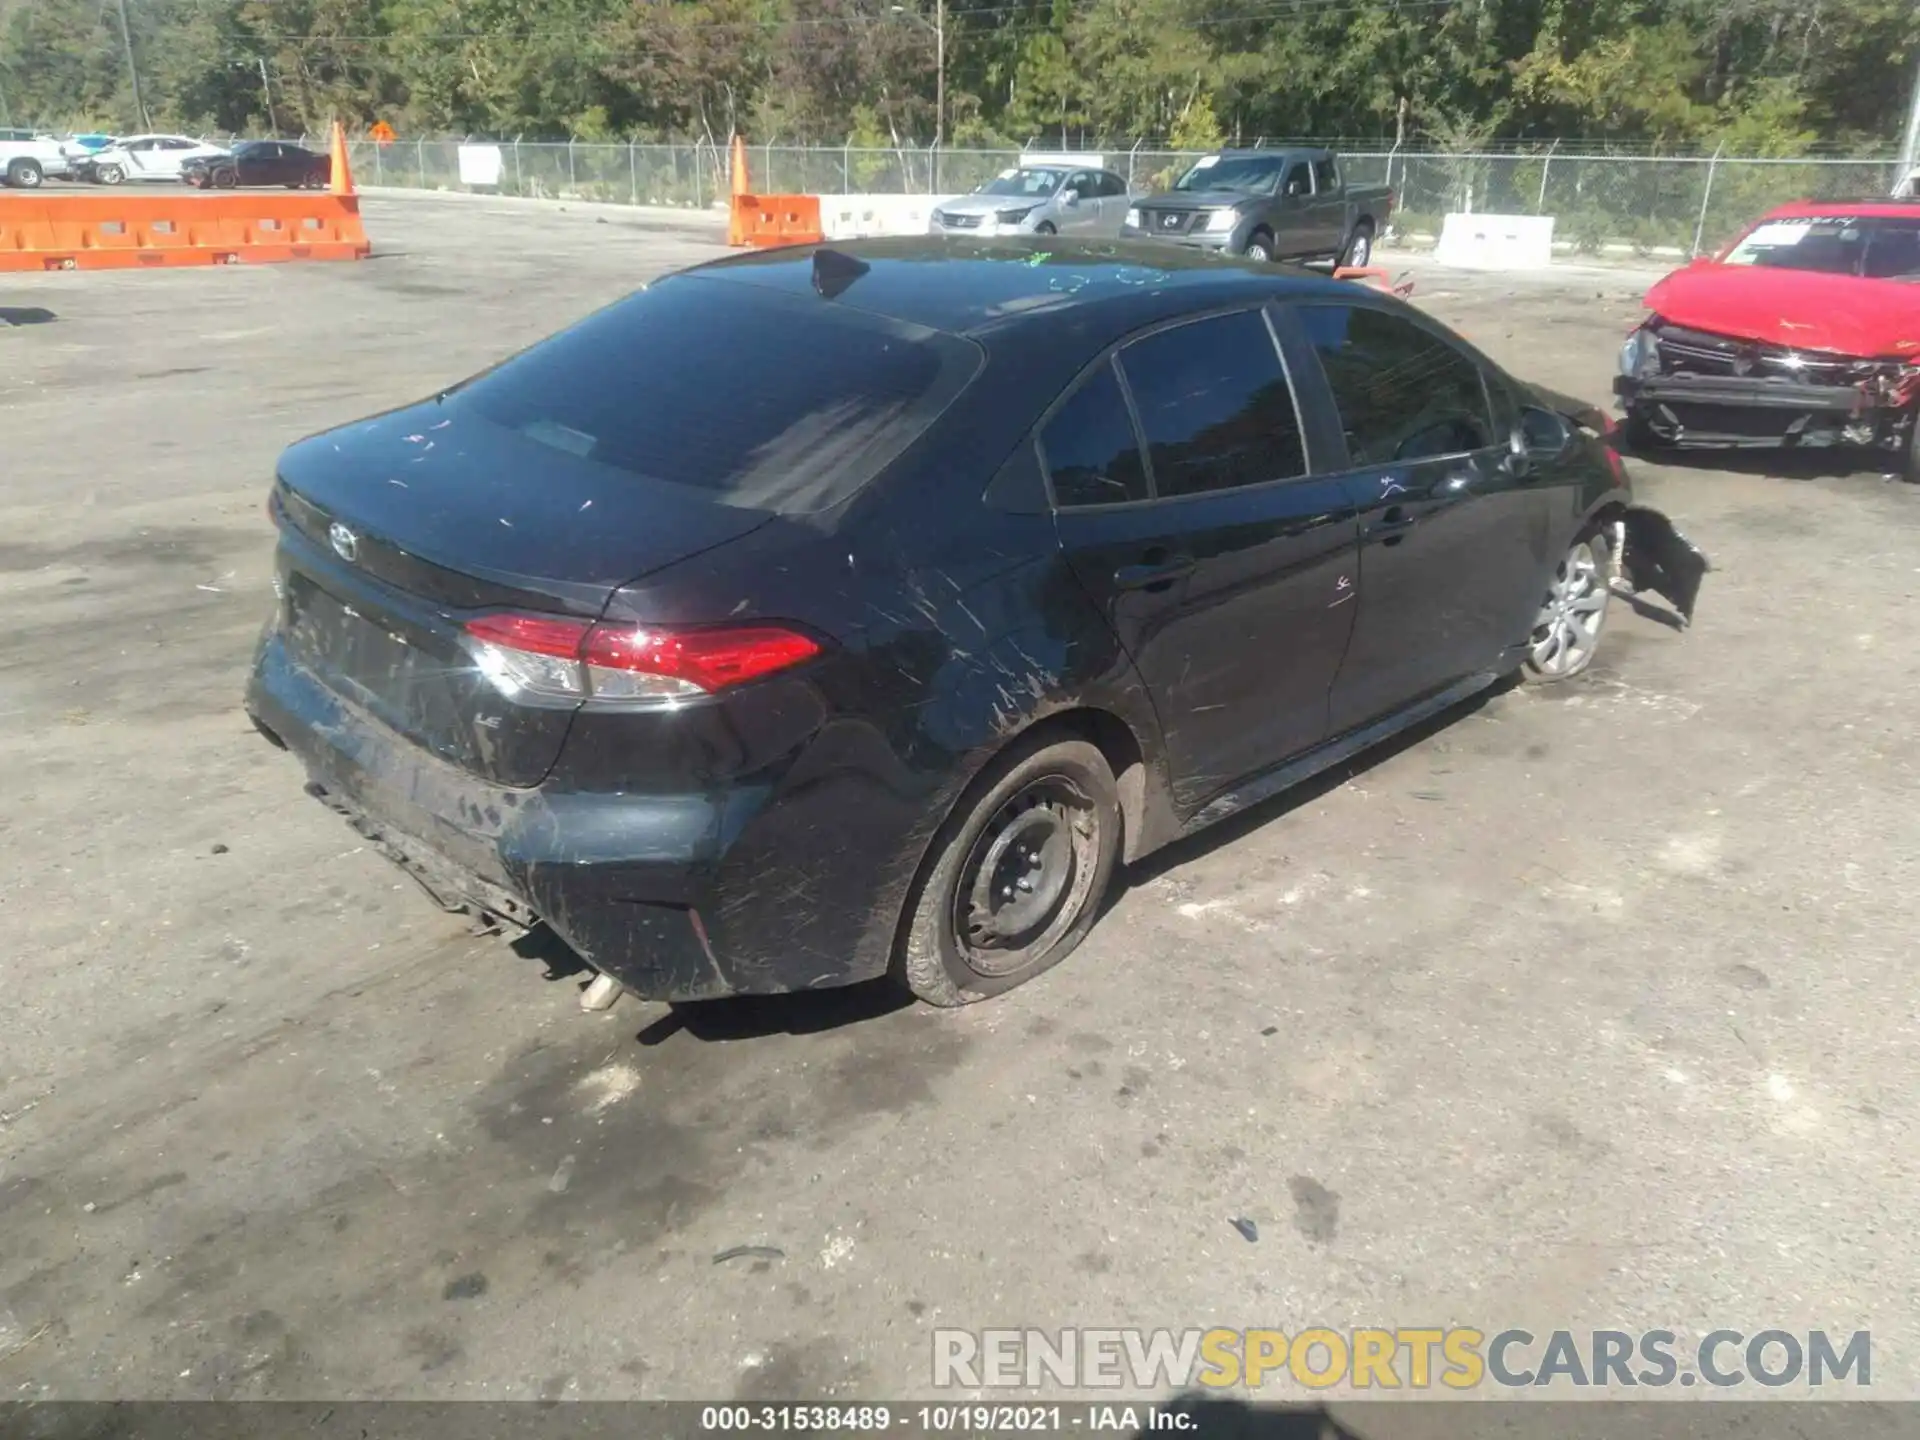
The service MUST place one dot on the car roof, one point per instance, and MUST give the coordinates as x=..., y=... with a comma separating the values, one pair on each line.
x=1879, y=207
x=976, y=287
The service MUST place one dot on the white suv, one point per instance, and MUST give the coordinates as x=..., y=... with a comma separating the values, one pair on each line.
x=146, y=157
x=26, y=158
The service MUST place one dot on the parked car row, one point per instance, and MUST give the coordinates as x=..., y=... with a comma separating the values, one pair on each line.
x=27, y=159
x=1292, y=204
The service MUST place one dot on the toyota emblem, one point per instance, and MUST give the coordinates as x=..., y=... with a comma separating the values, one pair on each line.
x=345, y=543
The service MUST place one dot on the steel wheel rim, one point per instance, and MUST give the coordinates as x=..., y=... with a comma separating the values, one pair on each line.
x=1026, y=877
x=1362, y=249
x=1567, y=629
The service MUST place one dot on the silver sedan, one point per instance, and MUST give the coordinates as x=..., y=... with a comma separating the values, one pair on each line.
x=1038, y=200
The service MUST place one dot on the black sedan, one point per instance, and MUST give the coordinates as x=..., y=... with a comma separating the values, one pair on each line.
x=259, y=162
x=827, y=613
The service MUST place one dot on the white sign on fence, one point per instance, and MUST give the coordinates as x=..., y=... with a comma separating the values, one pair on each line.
x=479, y=164
x=1496, y=242
x=1077, y=157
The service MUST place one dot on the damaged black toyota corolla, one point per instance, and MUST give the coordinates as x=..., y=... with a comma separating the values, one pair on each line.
x=827, y=613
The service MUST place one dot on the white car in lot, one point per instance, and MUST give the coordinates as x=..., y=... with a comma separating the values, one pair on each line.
x=146, y=157
x=27, y=158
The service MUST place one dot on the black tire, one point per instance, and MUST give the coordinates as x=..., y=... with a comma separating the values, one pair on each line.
x=25, y=173
x=1045, y=227
x=110, y=174
x=1259, y=246
x=1910, y=470
x=226, y=180
x=1359, y=249
x=1591, y=550
x=1046, y=817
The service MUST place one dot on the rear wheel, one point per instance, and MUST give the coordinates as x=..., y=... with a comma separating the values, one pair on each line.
x=25, y=173
x=1566, y=632
x=1017, y=874
x=1259, y=246
x=1045, y=227
x=1360, y=247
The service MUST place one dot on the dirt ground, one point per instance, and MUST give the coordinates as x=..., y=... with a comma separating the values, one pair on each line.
x=1590, y=1009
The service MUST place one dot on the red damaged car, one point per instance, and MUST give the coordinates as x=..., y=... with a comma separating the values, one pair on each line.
x=1804, y=332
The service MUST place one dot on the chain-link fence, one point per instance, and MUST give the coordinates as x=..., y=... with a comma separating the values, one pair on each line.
x=1645, y=203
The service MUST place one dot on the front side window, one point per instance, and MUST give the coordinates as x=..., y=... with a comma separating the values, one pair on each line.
x=1215, y=405
x=1402, y=392
x=1325, y=176
x=1297, y=181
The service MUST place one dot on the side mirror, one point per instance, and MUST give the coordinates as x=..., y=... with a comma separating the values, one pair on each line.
x=1537, y=435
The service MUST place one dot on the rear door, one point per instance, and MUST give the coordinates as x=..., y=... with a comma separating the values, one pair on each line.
x=1113, y=202
x=1455, y=538
x=1186, y=506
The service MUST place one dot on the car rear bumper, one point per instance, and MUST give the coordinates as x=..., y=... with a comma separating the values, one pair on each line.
x=1734, y=411
x=673, y=895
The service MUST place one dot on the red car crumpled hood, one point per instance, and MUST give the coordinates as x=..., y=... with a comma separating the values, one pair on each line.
x=1804, y=309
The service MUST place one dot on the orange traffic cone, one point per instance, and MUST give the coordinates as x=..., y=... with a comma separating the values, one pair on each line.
x=739, y=166
x=342, y=182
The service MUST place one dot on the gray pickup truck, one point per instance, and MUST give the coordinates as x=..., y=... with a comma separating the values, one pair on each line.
x=1267, y=205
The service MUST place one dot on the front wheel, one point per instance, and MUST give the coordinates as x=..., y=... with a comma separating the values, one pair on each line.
x=1360, y=247
x=1566, y=632
x=1017, y=875
x=111, y=174
x=1045, y=227
x=1911, y=469
x=225, y=180
x=1259, y=247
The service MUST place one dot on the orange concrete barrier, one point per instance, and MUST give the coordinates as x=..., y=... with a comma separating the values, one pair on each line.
x=48, y=230
x=764, y=220
x=53, y=231
x=1374, y=272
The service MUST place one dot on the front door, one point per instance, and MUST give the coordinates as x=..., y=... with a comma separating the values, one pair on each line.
x=1225, y=568
x=1294, y=223
x=1454, y=534
x=1329, y=208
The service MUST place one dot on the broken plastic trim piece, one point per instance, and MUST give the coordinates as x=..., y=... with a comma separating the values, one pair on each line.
x=1658, y=558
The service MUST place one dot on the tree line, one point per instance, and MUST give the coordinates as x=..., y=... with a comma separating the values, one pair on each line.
x=1759, y=77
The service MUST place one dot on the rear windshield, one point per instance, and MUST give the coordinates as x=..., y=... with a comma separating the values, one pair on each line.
x=1876, y=247
x=1255, y=173
x=759, y=400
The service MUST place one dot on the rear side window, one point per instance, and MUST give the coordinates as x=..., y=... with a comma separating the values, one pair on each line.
x=760, y=400
x=1112, y=184
x=1403, y=393
x=1090, y=449
x=1215, y=405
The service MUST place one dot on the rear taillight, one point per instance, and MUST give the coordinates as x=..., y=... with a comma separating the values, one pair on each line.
x=544, y=659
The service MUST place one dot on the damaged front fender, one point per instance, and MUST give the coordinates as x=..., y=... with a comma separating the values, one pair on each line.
x=1659, y=559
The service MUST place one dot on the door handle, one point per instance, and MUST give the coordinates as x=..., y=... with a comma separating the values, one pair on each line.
x=1156, y=570
x=1393, y=523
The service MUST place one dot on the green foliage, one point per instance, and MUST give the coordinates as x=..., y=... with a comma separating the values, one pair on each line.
x=1759, y=77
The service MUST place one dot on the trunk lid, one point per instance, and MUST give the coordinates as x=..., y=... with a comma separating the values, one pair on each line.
x=1799, y=309
x=404, y=526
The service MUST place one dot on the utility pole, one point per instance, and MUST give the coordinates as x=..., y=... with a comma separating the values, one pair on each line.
x=273, y=122
x=133, y=71
x=940, y=75
x=1910, y=147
